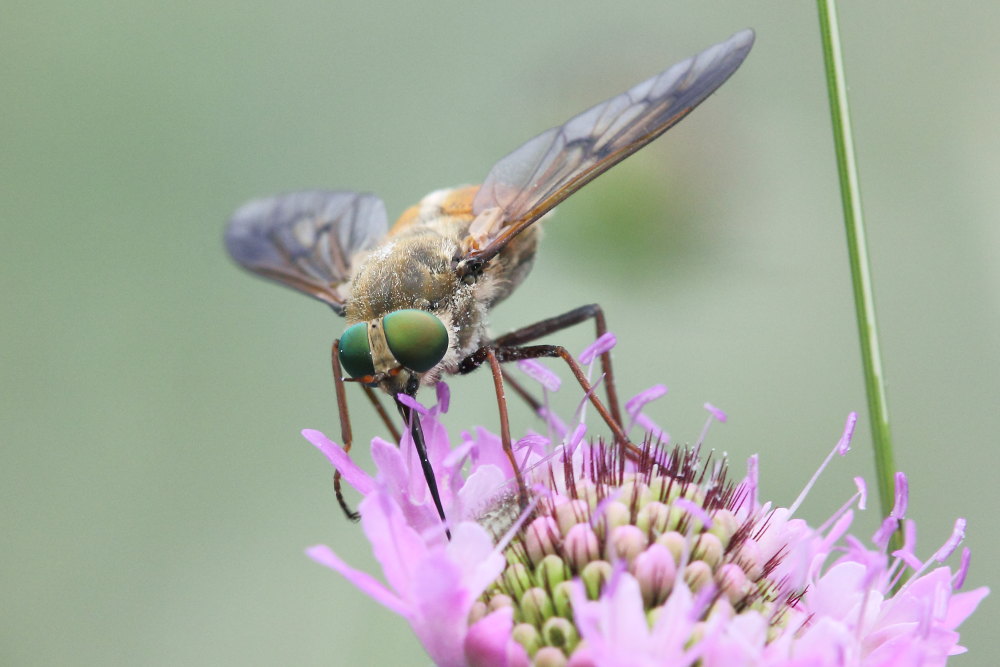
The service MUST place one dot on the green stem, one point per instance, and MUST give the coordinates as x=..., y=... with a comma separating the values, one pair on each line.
x=850, y=193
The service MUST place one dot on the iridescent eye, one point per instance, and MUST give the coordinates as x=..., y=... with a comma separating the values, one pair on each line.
x=416, y=338
x=355, y=353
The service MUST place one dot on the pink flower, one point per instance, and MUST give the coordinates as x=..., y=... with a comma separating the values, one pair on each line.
x=650, y=562
x=432, y=582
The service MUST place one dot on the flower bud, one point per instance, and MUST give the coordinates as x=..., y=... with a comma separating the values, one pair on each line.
x=709, y=549
x=549, y=656
x=541, y=537
x=478, y=611
x=527, y=636
x=560, y=632
x=561, y=599
x=733, y=582
x=614, y=514
x=551, y=571
x=655, y=570
x=594, y=576
x=536, y=606
x=571, y=513
x=697, y=575
x=626, y=542
x=675, y=543
x=499, y=601
x=751, y=558
x=632, y=491
x=724, y=526
x=517, y=579
x=652, y=518
x=581, y=546
x=586, y=491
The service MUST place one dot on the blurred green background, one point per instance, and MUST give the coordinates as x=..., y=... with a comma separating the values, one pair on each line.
x=157, y=496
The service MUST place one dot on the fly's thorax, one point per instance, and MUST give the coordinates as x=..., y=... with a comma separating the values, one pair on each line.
x=408, y=271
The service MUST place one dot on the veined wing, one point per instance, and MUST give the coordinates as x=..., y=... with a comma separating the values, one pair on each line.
x=532, y=180
x=306, y=240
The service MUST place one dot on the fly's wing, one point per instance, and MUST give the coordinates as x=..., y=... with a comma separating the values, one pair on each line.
x=529, y=182
x=305, y=240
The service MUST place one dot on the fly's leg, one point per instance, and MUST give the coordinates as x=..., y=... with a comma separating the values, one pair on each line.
x=508, y=449
x=508, y=354
x=345, y=427
x=535, y=331
x=346, y=435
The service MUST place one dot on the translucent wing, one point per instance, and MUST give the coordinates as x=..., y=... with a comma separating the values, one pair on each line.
x=543, y=172
x=306, y=240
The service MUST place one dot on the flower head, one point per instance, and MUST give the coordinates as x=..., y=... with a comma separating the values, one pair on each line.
x=660, y=560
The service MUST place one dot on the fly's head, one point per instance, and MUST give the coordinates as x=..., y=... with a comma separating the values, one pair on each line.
x=395, y=351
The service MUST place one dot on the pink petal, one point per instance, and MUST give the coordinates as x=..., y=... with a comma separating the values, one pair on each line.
x=963, y=569
x=582, y=657
x=413, y=403
x=624, y=618
x=471, y=548
x=753, y=479
x=450, y=578
x=443, y=397
x=909, y=558
x=675, y=623
x=441, y=608
x=396, y=475
x=487, y=639
x=397, y=546
x=614, y=626
x=368, y=585
x=489, y=451
x=961, y=606
x=885, y=531
x=635, y=404
x=353, y=475
x=719, y=415
x=957, y=535
x=456, y=457
x=598, y=347
x=540, y=374
x=838, y=529
x=844, y=445
x=479, y=488
x=739, y=641
x=902, y=496
x=837, y=593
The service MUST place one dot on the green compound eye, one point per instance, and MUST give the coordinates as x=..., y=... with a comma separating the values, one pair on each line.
x=355, y=354
x=416, y=338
